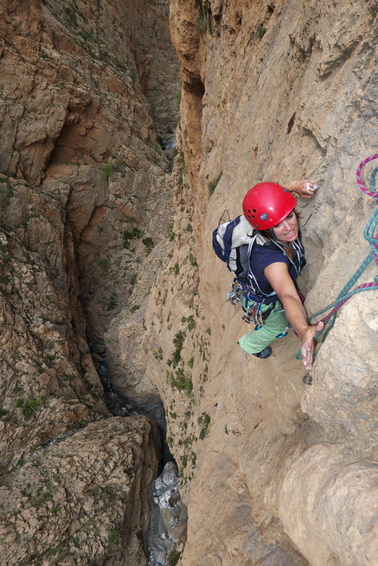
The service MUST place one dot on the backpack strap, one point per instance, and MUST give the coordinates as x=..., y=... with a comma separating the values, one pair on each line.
x=224, y=252
x=230, y=243
x=252, y=281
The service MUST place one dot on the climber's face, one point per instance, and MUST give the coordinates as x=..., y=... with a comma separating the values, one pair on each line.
x=287, y=229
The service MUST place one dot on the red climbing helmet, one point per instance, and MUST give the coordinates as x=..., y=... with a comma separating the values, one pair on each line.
x=267, y=204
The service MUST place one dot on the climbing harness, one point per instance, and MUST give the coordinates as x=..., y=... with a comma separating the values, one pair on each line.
x=252, y=309
x=240, y=291
x=346, y=293
x=253, y=313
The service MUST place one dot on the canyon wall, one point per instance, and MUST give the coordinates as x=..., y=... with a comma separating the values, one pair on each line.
x=107, y=269
x=88, y=101
x=273, y=471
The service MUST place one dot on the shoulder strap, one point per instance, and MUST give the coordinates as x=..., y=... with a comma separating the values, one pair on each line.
x=260, y=240
x=253, y=283
x=224, y=232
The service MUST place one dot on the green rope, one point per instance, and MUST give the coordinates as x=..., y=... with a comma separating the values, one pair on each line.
x=344, y=294
x=345, y=298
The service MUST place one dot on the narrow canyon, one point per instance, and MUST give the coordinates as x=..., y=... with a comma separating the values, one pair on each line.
x=134, y=430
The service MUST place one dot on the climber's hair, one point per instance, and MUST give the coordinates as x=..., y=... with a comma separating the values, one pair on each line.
x=269, y=233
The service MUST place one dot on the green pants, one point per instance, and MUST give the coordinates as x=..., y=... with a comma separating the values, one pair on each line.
x=274, y=325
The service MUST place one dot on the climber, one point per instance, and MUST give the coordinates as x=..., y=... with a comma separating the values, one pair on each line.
x=276, y=257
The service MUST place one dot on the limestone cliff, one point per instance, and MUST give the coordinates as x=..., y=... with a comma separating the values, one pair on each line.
x=88, y=100
x=281, y=472
x=106, y=261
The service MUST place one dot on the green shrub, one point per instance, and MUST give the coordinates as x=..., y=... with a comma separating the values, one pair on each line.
x=112, y=302
x=113, y=537
x=174, y=557
x=30, y=406
x=204, y=19
x=178, y=341
x=109, y=168
x=204, y=422
x=104, y=263
x=7, y=194
x=192, y=260
x=181, y=382
x=149, y=244
x=176, y=269
x=130, y=235
x=261, y=32
x=213, y=184
x=191, y=323
x=87, y=35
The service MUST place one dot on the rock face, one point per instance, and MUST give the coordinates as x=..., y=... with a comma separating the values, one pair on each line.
x=87, y=102
x=274, y=471
x=83, y=499
x=106, y=260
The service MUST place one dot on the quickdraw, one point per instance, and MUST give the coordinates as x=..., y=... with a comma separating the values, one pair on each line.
x=252, y=309
x=234, y=296
x=253, y=314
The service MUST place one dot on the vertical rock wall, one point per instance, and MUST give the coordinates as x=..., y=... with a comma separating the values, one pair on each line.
x=273, y=471
x=88, y=96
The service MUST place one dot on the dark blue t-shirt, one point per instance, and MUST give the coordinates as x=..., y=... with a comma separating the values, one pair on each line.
x=262, y=256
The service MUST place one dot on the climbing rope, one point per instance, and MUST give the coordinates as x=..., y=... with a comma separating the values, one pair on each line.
x=346, y=293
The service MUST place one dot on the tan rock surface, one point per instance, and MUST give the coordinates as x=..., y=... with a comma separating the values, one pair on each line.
x=88, y=92
x=331, y=483
x=272, y=91
x=273, y=471
x=82, y=499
